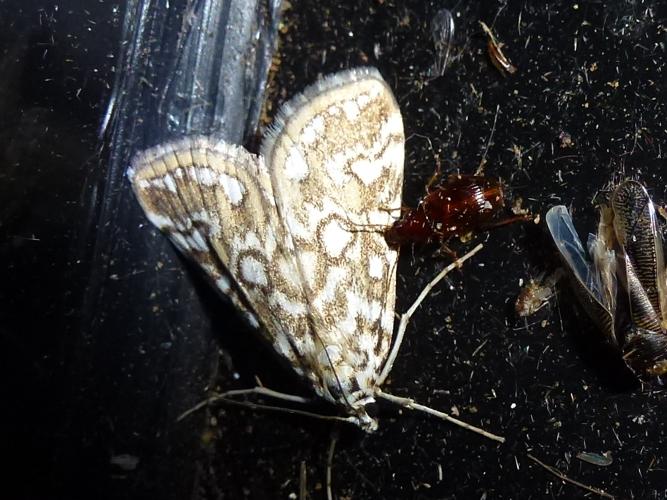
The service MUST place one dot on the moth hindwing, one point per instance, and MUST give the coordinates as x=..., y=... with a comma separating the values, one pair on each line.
x=279, y=232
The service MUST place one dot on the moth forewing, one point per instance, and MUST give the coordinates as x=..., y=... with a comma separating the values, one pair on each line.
x=336, y=156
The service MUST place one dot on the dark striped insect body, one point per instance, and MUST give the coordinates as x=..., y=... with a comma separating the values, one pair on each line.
x=457, y=207
x=622, y=282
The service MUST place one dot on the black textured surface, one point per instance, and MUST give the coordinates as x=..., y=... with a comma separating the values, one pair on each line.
x=72, y=401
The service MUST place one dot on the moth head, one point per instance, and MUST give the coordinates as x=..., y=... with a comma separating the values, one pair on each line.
x=357, y=401
x=348, y=387
x=365, y=414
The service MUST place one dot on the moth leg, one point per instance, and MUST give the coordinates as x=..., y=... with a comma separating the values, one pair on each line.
x=408, y=314
x=410, y=404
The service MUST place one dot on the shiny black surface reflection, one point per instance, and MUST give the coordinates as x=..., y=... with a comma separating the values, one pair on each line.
x=96, y=368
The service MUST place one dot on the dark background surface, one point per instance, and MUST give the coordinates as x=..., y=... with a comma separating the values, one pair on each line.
x=100, y=353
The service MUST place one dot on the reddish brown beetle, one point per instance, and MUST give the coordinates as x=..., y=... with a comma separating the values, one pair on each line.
x=461, y=205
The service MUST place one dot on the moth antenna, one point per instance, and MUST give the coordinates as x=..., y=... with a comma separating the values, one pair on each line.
x=405, y=318
x=410, y=404
x=227, y=397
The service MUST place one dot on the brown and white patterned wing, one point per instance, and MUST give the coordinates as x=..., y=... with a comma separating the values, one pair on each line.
x=292, y=236
x=215, y=202
x=335, y=157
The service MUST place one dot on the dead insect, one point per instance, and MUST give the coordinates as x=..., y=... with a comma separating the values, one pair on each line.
x=535, y=294
x=627, y=249
x=565, y=140
x=460, y=206
x=494, y=48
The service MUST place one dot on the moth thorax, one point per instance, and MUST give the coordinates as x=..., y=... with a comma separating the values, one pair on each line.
x=345, y=386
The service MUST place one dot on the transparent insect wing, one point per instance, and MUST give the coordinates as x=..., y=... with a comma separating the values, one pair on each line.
x=442, y=34
x=636, y=227
x=595, y=283
x=569, y=245
x=282, y=234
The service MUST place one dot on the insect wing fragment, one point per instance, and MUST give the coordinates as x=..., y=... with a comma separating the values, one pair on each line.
x=642, y=311
x=442, y=34
x=599, y=459
x=498, y=58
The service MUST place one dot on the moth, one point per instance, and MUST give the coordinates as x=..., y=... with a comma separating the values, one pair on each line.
x=279, y=233
x=623, y=285
x=459, y=206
